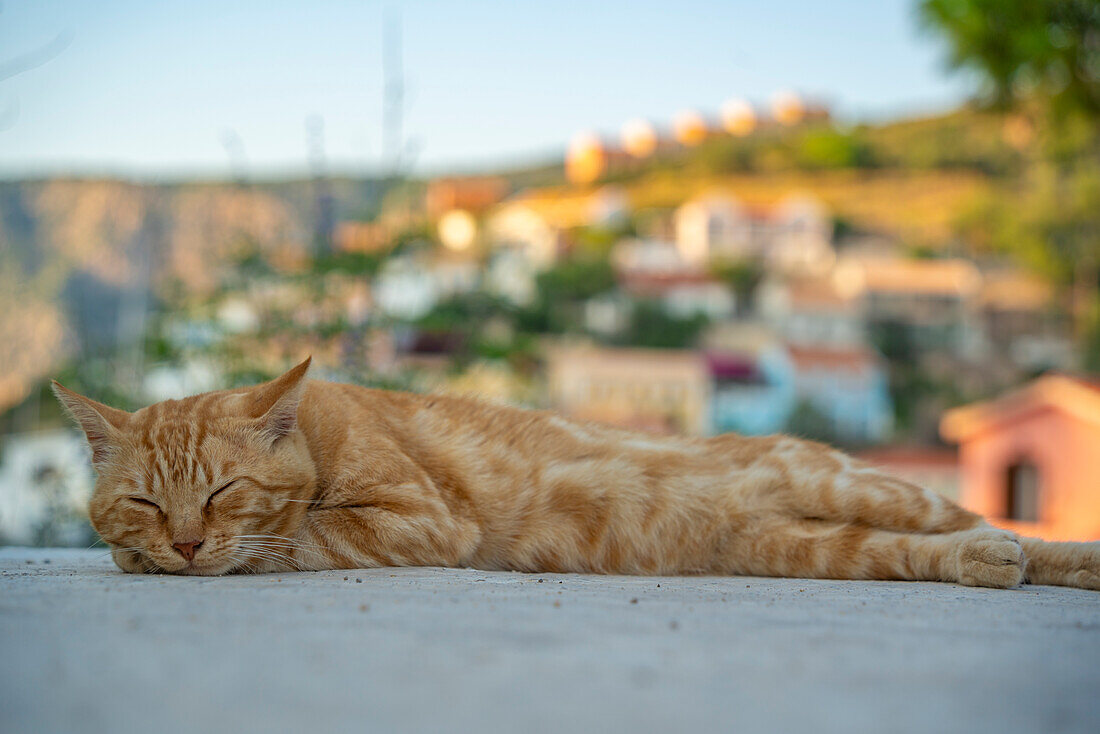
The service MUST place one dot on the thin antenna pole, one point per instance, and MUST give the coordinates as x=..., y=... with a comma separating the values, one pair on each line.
x=323, y=223
x=393, y=94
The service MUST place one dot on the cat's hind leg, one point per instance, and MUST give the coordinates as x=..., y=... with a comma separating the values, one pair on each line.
x=811, y=480
x=802, y=548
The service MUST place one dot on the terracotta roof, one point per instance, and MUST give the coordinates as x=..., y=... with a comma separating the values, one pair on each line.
x=560, y=207
x=1015, y=292
x=1073, y=395
x=937, y=277
x=927, y=457
x=824, y=358
x=816, y=294
x=473, y=193
x=755, y=210
x=638, y=282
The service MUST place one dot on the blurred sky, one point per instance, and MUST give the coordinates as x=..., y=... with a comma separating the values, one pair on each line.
x=150, y=88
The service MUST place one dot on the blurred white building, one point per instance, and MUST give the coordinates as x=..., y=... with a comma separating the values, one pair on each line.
x=810, y=312
x=511, y=276
x=45, y=483
x=174, y=381
x=405, y=289
x=520, y=227
x=793, y=236
x=411, y=284
x=651, y=257
x=934, y=301
x=710, y=228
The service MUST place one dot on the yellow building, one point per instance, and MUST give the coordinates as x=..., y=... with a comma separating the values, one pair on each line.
x=664, y=391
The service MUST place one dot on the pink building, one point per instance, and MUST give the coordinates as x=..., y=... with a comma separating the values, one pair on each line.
x=1030, y=459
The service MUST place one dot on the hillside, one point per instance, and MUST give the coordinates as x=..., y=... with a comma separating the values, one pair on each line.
x=78, y=251
x=911, y=179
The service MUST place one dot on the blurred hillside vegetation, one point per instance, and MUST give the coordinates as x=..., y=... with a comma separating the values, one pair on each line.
x=102, y=277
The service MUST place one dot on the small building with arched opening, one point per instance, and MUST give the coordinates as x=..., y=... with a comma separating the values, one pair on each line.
x=1030, y=460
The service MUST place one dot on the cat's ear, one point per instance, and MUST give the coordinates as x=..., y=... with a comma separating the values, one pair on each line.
x=275, y=403
x=101, y=423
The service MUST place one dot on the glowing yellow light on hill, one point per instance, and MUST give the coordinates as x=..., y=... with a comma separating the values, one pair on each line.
x=738, y=117
x=584, y=159
x=787, y=108
x=638, y=138
x=689, y=127
x=457, y=230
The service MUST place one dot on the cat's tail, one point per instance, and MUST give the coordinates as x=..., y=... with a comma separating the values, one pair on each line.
x=1063, y=564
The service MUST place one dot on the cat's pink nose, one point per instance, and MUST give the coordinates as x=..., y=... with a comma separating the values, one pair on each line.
x=187, y=550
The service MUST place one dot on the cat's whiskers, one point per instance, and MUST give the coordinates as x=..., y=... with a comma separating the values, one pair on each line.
x=282, y=563
x=295, y=541
x=260, y=558
x=112, y=550
x=241, y=564
x=240, y=561
x=280, y=541
x=270, y=552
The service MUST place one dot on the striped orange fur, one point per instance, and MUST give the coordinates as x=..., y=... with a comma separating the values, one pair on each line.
x=299, y=474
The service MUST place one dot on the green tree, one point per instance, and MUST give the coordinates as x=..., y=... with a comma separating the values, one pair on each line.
x=351, y=263
x=1025, y=48
x=561, y=292
x=743, y=277
x=825, y=148
x=808, y=421
x=1040, y=59
x=652, y=326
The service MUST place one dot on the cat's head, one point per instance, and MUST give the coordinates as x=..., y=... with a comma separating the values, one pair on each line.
x=203, y=485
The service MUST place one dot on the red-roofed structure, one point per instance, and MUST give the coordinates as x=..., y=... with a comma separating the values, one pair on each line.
x=1031, y=459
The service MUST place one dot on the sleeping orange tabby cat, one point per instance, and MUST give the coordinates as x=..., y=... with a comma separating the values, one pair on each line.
x=298, y=474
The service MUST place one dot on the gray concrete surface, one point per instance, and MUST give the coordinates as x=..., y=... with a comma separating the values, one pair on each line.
x=84, y=648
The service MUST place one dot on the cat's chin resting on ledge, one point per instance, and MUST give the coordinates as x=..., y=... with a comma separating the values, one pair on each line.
x=295, y=474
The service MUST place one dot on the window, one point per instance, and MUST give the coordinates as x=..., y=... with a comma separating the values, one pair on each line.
x=716, y=230
x=1022, y=492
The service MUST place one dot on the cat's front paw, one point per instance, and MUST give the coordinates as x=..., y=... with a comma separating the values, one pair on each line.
x=130, y=561
x=991, y=558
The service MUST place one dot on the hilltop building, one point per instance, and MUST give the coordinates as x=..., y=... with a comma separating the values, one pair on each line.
x=527, y=231
x=744, y=380
x=474, y=194
x=664, y=391
x=793, y=236
x=1021, y=322
x=766, y=384
x=350, y=236
x=810, y=312
x=931, y=304
x=848, y=387
x=411, y=284
x=754, y=382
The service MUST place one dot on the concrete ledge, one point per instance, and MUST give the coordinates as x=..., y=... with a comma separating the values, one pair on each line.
x=86, y=648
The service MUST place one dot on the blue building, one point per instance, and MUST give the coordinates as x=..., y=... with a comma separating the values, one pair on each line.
x=757, y=392
x=754, y=392
x=849, y=387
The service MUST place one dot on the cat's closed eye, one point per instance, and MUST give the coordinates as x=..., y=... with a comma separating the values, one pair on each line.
x=143, y=501
x=218, y=491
